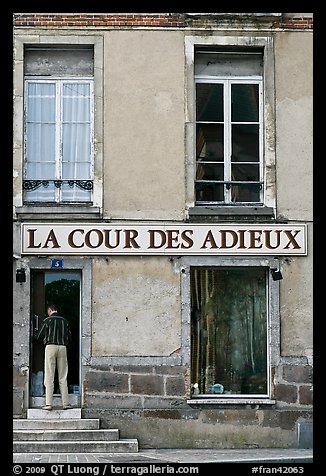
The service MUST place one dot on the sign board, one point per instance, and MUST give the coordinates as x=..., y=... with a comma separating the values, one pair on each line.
x=162, y=239
x=56, y=263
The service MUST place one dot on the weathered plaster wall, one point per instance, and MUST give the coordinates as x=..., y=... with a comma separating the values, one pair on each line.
x=144, y=125
x=293, y=81
x=296, y=307
x=136, y=307
x=293, y=73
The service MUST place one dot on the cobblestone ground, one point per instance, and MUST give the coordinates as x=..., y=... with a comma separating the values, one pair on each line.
x=270, y=455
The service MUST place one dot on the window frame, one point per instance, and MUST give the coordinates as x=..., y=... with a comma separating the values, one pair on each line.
x=233, y=395
x=249, y=43
x=273, y=321
x=79, y=210
x=59, y=83
x=227, y=83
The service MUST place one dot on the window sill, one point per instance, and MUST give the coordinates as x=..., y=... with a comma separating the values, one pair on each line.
x=73, y=212
x=230, y=212
x=232, y=401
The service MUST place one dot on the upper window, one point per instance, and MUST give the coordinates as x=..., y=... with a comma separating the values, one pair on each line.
x=58, y=113
x=229, y=132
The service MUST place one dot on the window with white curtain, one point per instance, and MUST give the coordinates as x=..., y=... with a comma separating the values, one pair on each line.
x=58, y=130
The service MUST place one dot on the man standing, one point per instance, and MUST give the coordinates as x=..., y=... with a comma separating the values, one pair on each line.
x=56, y=335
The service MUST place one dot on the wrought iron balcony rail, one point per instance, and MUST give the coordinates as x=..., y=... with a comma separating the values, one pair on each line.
x=31, y=185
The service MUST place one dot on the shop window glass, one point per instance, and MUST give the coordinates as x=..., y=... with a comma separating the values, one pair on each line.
x=229, y=332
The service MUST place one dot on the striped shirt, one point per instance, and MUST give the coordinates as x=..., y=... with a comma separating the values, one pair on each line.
x=55, y=330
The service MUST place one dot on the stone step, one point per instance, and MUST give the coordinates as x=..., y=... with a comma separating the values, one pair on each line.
x=39, y=402
x=120, y=446
x=56, y=413
x=66, y=435
x=56, y=424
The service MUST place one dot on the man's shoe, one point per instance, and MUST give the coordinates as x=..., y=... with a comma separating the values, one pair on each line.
x=47, y=407
x=66, y=407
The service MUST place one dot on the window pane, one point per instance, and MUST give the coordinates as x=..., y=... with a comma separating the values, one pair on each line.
x=246, y=192
x=245, y=172
x=209, y=192
x=75, y=194
x=41, y=194
x=41, y=102
x=210, y=171
x=76, y=144
x=76, y=171
x=70, y=60
x=210, y=142
x=229, y=331
x=40, y=123
x=245, y=102
x=245, y=143
x=76, y=102
x=211, y=63
x=40, y=144
x=209, y=102
x=40, y=171
x=76, y=136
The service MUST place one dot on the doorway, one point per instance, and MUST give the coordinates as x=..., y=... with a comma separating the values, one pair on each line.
x=63, y=289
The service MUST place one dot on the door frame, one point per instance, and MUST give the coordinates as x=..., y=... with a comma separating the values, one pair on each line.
x=84, y=266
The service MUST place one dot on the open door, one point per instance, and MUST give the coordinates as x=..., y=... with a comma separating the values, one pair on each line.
x=62, y=288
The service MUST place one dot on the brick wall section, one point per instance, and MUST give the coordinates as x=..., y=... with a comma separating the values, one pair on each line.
x=99, y=20
x=175, y=20
x=131, y=380
x=299, y=23
x=140, y=386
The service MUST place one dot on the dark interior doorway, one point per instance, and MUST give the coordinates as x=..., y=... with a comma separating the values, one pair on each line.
x=62, y=288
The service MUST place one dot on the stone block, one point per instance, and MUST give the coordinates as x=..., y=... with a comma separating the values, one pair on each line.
x=305, y=434
x=147, y=384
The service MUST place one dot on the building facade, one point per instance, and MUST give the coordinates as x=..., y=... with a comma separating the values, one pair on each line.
x=186, y=279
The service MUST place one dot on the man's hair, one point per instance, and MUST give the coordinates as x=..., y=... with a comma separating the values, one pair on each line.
x=52, y=306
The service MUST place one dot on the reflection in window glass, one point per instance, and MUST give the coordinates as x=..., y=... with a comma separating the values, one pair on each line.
x=245, y=192
x=210, y=142
x=245, y=143
x=229, y=331
x=245, y=102
x=209, y=102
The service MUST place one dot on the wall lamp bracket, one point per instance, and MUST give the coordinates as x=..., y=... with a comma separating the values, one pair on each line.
x=20, y=275
x=276, y=274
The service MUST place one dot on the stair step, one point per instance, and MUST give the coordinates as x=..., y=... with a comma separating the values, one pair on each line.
x=39, y=402
x=120, y=446
x=66, y=435
x=56, y=413
x=56, y=424
x=64, y=431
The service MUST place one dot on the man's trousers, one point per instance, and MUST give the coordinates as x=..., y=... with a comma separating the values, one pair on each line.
x=55, y=356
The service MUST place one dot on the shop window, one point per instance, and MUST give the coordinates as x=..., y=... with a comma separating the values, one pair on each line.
x=58, y=125
x=229, y=132
x=229, y=356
